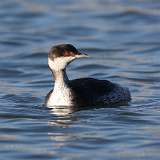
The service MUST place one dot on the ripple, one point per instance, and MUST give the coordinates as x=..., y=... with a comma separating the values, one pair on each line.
x=92, y=67
x=12, y=43
x=133, y=14
x=10, y=72
x=29, y=15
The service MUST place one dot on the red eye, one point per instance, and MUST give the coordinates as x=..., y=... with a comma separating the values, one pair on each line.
x=67, y=54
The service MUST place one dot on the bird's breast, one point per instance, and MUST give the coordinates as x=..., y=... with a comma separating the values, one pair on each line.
x=60, y=97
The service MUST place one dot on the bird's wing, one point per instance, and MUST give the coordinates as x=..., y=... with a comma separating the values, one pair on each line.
x=90, y=88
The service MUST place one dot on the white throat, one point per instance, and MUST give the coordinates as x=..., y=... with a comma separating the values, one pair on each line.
x=59, y=63
x=61, y=94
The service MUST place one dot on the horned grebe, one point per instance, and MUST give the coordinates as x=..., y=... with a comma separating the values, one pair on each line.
x=83, y=91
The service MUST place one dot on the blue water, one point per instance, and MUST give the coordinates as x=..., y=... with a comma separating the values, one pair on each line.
x=123, y=39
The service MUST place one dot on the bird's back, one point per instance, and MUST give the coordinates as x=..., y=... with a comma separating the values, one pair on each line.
x=91, y=91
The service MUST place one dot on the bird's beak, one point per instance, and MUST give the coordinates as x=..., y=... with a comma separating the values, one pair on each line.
x=82, y=55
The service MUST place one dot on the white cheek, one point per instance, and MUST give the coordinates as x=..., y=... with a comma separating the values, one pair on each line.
x=59, y=63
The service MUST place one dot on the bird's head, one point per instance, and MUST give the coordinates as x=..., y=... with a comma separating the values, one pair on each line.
x=61, y=55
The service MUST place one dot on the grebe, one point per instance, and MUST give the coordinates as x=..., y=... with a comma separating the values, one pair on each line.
x=83, y=91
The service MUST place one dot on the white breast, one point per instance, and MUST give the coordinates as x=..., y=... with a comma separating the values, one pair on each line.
x=61, y=96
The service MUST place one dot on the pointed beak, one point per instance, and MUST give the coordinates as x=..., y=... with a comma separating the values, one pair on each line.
x=82, y=55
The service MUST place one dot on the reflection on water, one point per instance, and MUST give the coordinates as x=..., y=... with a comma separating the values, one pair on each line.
x=123, y=39
x=64, y=110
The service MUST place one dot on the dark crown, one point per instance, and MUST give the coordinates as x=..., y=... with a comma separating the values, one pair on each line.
x=60, y=50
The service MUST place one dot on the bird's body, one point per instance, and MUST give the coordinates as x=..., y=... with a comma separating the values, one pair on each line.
x=89, y=91
x=83, y=91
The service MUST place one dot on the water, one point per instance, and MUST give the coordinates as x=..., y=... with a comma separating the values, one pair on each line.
x=123, y=39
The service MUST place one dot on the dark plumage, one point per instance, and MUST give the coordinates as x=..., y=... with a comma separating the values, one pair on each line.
x=60, y=50
x=88, y=89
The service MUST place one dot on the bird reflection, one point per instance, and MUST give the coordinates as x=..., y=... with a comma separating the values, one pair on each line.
x=62, y=120
x=66, y=110
x=63, y=110
x=62, y=123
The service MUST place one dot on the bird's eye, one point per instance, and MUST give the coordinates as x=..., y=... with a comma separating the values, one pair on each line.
x=67, y=54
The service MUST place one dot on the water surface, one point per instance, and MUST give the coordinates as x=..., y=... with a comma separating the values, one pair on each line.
x=123, y=39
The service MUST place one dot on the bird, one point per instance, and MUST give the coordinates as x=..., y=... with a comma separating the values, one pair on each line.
x=83, y=91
